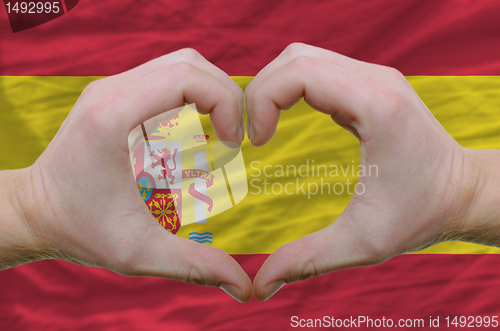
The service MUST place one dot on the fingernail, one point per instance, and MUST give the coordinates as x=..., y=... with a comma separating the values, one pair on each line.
x=233, y=291
x=251, y=131
x=272, y=288
x=241, y=131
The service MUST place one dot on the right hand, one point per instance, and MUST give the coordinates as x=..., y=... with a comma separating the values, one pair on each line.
x=426, y=185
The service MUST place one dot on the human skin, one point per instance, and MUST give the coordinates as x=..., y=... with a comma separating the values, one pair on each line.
x=79, y=200
x=429, y=189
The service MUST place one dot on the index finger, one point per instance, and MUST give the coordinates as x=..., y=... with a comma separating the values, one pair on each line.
x=295, y=50
x=183, y=55
x=118, y=113
x=336, y=91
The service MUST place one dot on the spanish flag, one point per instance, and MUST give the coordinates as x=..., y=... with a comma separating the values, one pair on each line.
x=448, y=50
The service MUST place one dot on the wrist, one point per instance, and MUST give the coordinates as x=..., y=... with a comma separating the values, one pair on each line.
x=19, y=243
x=480, y=223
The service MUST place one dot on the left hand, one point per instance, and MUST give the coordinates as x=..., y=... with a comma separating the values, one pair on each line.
x=81, y=202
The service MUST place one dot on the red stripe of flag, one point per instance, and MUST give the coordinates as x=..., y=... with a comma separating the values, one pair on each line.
x=458, y=37
x=57, y=295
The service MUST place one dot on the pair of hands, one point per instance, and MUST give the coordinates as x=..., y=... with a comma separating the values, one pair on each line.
x=84, y=205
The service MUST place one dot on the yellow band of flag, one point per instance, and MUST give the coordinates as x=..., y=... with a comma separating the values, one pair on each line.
x=33, y=108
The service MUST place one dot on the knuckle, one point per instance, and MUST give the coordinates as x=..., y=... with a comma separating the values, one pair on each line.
x=195, y=271
x=98, y=112
x=310, y=270
x=391, y=100
x=304, y=63
x=92, y=88
x=395, y=74
x=181, y=69
x=308, y=264
x=194, y=276
x=295, y=49
x=190, y=54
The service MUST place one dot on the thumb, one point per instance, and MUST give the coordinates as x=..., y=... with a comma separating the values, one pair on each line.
x=335, y=247
x=165, y=255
